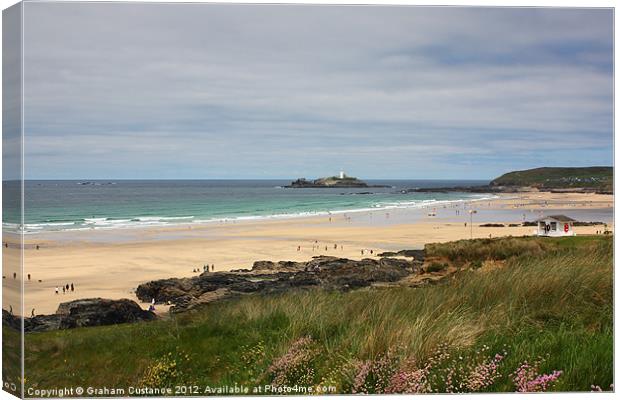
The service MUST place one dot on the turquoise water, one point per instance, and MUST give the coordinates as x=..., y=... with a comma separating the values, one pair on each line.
x=70, y=205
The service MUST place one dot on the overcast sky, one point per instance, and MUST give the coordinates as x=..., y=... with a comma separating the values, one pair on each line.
x=270, y=91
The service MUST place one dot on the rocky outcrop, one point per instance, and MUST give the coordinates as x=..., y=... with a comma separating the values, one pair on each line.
x=82, y=313
x=273, y=277
x=417, y=255
x=11, y=320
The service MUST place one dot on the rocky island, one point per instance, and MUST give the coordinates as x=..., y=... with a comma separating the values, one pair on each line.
x=341, y=181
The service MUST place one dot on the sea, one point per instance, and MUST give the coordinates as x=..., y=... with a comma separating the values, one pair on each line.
x=108, y=204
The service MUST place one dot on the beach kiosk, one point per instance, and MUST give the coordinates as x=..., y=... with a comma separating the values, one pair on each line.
x=555, y=226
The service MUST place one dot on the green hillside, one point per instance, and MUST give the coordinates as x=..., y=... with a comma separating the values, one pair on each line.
x=522, y=314
x=599, y=178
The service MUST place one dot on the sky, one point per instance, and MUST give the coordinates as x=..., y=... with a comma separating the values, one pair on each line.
x=205, y=91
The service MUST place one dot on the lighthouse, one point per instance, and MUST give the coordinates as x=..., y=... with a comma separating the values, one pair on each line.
x=341, y=174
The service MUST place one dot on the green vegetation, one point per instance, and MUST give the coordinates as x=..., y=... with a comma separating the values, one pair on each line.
x=11, y=360
x=550, y=304
x=462, y=251
x=436, y=267
x=599, y=178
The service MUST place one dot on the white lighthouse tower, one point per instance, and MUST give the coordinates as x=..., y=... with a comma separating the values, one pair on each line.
x=342, y=174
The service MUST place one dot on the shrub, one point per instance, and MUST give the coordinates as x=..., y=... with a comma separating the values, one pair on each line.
x=436, y=267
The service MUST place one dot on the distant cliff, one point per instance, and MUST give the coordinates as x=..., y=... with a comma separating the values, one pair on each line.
x=331, y=182
x=550, y=179
x=547, y=178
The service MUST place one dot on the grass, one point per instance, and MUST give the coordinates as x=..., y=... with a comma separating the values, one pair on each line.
x=11, y=361
x=552, y=300
x=462, y=251
x=553, y=177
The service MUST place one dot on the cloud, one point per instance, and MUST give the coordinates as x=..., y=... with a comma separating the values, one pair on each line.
x=220, y=91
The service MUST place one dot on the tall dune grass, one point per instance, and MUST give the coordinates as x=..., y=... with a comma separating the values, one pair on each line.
x=552, y=300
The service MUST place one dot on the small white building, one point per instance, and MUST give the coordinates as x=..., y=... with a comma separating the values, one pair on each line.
x=555, y=226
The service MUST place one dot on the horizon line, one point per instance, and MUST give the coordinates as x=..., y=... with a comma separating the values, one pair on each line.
x=231, y=179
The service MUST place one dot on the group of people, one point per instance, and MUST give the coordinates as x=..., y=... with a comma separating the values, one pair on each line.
x=205, y=268
x=15, y=277
x=317, y=247
x=65, y=289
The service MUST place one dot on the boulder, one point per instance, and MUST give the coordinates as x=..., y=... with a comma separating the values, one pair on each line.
x=415, y=254
x=82, y=313
x=98, y=311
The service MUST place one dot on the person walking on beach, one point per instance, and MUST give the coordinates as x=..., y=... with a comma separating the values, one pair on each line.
x=56, y=289
x=213, y=267
x=32, y=313
x=28, y=276
x=72, y=288
x=63, y=290
x=14, y=275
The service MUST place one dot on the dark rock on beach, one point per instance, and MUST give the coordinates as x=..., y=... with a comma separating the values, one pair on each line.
x=82, y=313
x=11, y=320
x=331, y=273
x=417, y=255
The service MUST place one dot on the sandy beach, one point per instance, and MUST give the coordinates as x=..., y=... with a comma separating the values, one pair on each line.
x=111, y=263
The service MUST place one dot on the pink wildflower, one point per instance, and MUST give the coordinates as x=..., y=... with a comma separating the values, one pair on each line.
x=527, y=378
x=295, y=366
